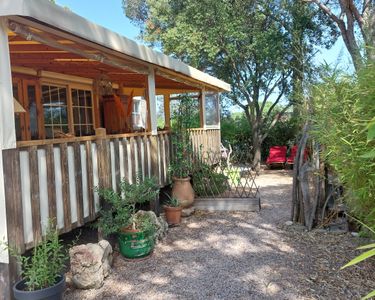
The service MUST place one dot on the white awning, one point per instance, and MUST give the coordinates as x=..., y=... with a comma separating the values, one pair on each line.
x=43, y=11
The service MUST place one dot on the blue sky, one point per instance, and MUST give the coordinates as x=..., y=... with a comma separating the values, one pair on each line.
x=109, y=13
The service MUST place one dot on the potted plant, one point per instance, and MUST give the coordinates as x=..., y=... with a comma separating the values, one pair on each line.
x=181, y=164
x=42, y=273
x=135, y=233
x=173, y=211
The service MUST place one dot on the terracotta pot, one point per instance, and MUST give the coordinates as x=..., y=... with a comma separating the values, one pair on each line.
x=173, y=214
x=183, y=191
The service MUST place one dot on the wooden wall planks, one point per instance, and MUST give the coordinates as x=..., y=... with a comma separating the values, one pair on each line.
x=81, y=163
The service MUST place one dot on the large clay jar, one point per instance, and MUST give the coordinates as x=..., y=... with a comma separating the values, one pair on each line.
x=183, y=191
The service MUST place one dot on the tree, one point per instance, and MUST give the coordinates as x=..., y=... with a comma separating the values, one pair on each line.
x=246, y=43
x=356, y=21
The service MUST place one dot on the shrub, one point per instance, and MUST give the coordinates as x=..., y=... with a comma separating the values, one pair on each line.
x=207, y=182
x=46, y=264
x=344, y=124
x=236, y=130
x=122, y=205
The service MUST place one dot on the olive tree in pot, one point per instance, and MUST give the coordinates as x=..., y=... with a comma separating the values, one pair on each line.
x=181, y=164
x=173, y=210
x=135, y=233
x=42, y=272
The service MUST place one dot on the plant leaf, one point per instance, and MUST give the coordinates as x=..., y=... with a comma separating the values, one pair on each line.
x=369, y=246
x=371, y=131
x=368, y=296
x=359, y=258
x=370, y=154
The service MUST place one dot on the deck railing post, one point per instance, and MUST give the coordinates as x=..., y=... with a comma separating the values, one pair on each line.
x=104, y=164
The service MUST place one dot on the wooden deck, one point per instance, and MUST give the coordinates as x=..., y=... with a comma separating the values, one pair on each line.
x=56, y=178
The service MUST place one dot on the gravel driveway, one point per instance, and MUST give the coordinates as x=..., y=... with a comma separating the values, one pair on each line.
x=242, y=256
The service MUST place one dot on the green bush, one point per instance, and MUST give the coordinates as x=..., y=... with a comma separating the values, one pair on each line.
x=121, y=210
x=236, y=130
x=206, y=182
x=343, y=122
x=43, y=268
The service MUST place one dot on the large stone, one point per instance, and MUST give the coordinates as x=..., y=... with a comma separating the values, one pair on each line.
x=163, y=230
x=90, y=264
x=160, y=224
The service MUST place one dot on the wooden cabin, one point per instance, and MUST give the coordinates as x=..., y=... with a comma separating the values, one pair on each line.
x=78, y=109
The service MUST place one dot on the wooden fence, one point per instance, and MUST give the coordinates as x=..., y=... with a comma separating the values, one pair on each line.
x=56, y=178
x=205, y=140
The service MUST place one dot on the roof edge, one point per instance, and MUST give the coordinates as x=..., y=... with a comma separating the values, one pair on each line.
x=51, y=14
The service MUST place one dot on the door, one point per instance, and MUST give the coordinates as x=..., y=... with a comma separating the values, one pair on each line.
x=29, y=125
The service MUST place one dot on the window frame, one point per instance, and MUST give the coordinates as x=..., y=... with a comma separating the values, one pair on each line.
x=69, y=87
x=217, y=98
x=68, y=103
x=85, y=89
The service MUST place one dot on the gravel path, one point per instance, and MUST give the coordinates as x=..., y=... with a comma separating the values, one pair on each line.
x=242, y=256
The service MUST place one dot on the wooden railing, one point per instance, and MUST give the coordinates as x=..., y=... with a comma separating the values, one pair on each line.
x=205, y=140
x=56, y=178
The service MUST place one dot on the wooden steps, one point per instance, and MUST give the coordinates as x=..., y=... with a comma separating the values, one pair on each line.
x=227, y=204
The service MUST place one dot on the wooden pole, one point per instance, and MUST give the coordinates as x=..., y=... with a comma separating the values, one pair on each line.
x=167, y=111
x=202, y=109
x=152, y=101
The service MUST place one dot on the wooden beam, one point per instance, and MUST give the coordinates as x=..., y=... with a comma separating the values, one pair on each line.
x=167, y=111
x=14, y=210
x=79, y=41
x=152, y=101
x=184, y=79
x=103, y=58
x=202, y=109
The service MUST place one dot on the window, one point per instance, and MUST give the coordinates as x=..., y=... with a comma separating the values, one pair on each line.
x=82, y=112
x=55, y=108
x=212, y=110
x=139, y=113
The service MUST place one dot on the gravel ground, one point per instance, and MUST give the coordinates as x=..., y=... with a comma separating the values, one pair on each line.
x=242, y=256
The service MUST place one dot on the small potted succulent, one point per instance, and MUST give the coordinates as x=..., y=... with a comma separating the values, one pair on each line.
x=173, y=210
x=42, y=273
x=135, y=233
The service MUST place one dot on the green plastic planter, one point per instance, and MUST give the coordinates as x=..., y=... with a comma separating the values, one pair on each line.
x=135, y=244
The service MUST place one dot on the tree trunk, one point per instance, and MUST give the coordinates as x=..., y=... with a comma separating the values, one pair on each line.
x=257, y=146
x=257, y=157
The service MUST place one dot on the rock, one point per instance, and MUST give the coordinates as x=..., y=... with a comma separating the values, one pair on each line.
x=354, y=234
x=107, y=263
x=288, y=223
x=187, y=212
x=161, y=226
x=90, y=264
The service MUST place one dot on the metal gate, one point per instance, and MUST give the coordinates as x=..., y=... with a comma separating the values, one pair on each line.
x=228, y=181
